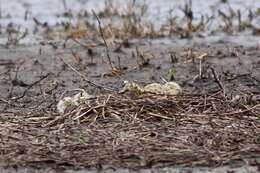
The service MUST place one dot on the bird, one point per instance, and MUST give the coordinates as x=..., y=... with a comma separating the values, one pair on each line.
x=74, y=101
x=169, y=88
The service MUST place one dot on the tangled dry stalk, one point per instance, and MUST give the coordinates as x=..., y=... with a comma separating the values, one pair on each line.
x=134, y=131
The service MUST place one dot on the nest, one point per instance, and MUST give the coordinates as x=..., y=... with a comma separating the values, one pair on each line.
x=135, y=132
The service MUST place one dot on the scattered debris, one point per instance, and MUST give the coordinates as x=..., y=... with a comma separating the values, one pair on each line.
x=212, y=119
x=134, y=132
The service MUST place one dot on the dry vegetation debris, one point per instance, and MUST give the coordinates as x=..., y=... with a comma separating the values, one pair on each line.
x=134, y=132
x=141, y=129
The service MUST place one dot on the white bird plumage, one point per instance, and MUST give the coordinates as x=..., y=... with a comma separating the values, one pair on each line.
x=75, y=100
x=169, y=88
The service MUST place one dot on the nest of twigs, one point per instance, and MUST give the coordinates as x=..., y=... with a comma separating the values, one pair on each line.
x=135, y=132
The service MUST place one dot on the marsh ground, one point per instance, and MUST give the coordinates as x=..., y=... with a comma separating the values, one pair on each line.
x=212, y=127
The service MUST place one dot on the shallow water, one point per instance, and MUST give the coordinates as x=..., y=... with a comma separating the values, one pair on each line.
x=22, y=12
x=49, y=10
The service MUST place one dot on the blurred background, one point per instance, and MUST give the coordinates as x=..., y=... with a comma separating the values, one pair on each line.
x=166, y=17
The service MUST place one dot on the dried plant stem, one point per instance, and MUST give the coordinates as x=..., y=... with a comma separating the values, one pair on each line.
x=103, y=37
x=117, y=128
x=84, y=77
x=217, y=80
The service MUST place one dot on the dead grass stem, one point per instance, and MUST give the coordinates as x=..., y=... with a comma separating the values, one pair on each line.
x=134, y=132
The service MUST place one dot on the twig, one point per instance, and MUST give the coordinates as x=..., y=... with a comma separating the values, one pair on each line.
x=6, y=63
x=201, y=57
x=173, y=57
x=15, y=78
x=221, y=86
x=84, y=77
x=103, y=37
x=31, y=85
x=119, y=62
x=242, y=111
x=140, y=55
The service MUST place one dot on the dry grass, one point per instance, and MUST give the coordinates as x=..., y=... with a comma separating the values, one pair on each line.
x=133, y=132
x=132, y=23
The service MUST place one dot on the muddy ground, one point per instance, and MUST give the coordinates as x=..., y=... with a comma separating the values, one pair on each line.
x=50, y=50
x=35, y=78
